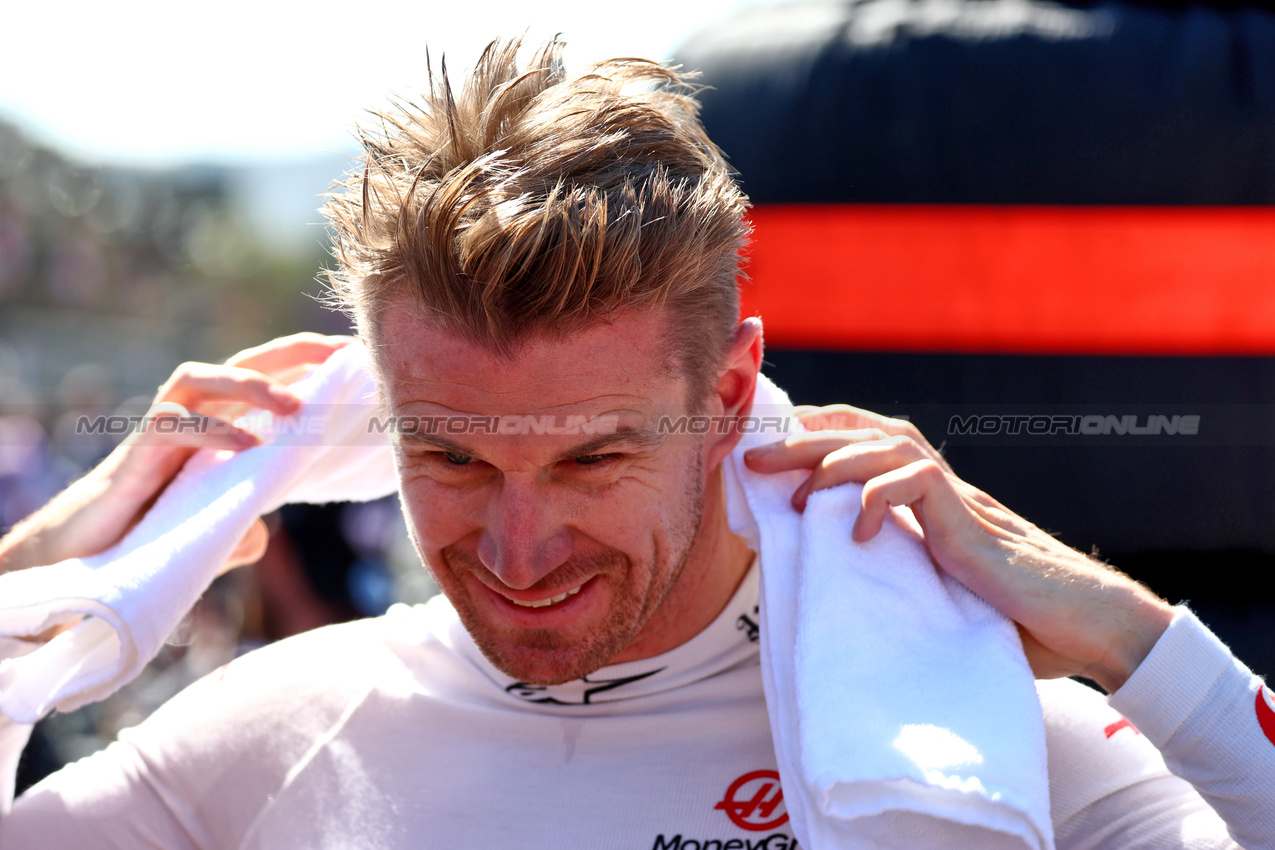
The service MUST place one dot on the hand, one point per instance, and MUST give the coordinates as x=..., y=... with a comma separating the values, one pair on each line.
x=98, y=509
x=1076, y=615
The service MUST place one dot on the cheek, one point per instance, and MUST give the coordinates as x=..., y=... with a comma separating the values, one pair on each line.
x=437, y=515
x=642, y=516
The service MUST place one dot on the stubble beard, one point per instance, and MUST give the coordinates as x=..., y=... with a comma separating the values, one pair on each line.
x=551, y=656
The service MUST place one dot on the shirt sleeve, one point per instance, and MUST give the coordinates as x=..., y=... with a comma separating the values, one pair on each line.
x=1213, y=720
x=1177, y=759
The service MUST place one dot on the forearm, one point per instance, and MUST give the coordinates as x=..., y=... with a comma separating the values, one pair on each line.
x=85, y=518
x=1136, y=620
x=33, y=542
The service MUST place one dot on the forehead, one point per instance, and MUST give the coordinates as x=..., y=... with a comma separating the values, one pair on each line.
x=618, y=363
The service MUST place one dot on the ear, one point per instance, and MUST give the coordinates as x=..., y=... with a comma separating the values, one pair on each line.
x=736, y=384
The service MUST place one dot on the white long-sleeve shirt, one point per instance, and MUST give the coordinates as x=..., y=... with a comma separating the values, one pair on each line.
x=396, y=733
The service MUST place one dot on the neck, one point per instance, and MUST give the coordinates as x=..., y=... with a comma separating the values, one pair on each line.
x=717, y=562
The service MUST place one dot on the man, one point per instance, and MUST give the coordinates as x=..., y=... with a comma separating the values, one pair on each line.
x=562, y=246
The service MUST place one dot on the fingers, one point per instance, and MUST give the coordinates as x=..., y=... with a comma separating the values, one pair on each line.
x=170, y=425
x=193, y=410
x=860, y=464
x=196, y=386
x=843, y=417
x=906, y=485
x=195, y=407
x=255, y=377
x=805, y=451
x=152, y=456
x=836, y=458
x=281, y=357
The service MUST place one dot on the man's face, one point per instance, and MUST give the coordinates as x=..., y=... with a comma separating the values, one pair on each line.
x=557, y=549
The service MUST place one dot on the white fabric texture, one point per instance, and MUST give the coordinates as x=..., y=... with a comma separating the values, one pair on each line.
x=948, y=728
x=948, y=738
x=395, y=733
x=134, y=594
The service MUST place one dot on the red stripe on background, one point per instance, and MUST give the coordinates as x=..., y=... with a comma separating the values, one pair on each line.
x=1065, y=280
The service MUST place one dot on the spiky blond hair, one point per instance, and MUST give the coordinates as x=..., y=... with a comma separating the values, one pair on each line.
x=536, y=201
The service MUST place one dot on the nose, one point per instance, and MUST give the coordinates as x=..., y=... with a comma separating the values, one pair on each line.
x=524, y=539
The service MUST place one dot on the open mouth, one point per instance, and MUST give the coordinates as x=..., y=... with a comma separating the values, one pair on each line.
x=545, y=603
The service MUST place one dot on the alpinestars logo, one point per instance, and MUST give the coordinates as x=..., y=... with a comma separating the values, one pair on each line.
x=579, y=692
x=749, y=625
x=755, y=802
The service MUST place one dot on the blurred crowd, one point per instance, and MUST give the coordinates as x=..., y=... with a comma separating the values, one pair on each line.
x=108, y=279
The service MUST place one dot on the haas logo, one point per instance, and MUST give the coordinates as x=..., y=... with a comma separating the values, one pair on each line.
x=1266, y=713
x=755, y=801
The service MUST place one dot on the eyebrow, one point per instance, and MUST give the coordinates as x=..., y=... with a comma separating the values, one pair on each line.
x=642, y=438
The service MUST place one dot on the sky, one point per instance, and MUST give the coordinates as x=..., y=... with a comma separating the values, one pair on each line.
x=163, y=83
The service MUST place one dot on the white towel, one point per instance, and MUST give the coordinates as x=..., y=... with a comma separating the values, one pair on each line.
x=903, y=710
x=134, y=594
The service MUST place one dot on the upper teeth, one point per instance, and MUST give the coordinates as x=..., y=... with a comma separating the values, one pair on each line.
x=553, y=600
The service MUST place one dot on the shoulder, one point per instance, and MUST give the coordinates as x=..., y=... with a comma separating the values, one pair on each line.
x=208, y=761
x=291, y=691
x=343, y=657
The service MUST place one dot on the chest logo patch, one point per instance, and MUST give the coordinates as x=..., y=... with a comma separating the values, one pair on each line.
x=1266, y=713
x=755, y=802
x=578, y=692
